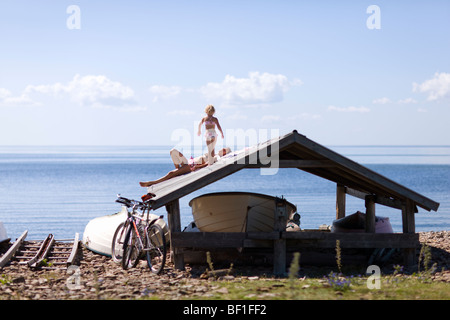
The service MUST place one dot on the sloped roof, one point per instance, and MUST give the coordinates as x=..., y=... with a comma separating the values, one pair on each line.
x=293, y=150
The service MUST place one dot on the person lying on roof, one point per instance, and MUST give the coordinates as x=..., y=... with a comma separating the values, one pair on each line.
x=183, y=166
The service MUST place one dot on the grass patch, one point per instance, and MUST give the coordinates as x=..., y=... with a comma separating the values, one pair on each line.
x=316, y=286
x=332, y=287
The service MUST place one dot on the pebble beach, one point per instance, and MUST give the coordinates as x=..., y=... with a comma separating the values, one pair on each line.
x=98, y=277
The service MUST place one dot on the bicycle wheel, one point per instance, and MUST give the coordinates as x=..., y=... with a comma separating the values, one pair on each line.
x=156, y=249
x=117, y=243
x=131, y=250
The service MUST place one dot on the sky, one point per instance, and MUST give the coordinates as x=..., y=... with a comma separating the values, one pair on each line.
x=141, y=72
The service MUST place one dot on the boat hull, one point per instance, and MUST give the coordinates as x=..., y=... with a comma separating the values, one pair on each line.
x=235, y=212
x=99, y=232
x=355, y=223
x=3, y=235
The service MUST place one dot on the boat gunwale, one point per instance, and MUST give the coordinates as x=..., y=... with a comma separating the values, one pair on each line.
x=228, y=193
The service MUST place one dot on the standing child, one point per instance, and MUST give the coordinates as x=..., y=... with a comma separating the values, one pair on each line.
x=210, y=134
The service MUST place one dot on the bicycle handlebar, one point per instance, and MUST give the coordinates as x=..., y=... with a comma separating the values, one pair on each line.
x=132, y=203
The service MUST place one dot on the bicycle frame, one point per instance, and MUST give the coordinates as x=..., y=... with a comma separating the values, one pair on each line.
x=139, y=235
x=132, y=217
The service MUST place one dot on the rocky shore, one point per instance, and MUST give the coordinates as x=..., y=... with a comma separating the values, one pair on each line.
x=98, y=277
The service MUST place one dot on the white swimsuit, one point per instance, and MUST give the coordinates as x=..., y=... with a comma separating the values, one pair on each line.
x=210, y=134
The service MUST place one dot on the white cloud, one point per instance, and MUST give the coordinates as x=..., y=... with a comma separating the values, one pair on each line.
x=381, y=101
x=96, y=91
x=257, y=88
x=164, y=92
x=270, y=118
x=407, y=101
x=7, y=99
x=386, y=100
x=180, y=112
x=306, y=116
x=4, y=93
x=349, y=109
x=236, y=116
x=437, y=88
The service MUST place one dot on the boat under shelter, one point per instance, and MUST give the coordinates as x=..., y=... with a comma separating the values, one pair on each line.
x=295, y=150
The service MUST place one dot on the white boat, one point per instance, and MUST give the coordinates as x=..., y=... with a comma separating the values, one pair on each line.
x=356, y=223
x=3, y=235
x=99, y=232
x=191, y=227
x=235, y=212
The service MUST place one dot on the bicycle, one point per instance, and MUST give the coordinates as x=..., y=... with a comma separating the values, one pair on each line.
x=139, y=235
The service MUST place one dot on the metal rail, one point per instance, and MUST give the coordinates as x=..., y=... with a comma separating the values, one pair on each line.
x=4, y=259
x=46, y=254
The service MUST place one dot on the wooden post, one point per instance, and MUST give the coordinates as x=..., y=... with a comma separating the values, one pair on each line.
x=173, y=209
x=340, y=201
x=370, y=214
x=408, y=223
x=279, y=245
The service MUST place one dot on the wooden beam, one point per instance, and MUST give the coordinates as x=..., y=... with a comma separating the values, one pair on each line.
x=343, y=176
x=408, y=222
x=173, y=209
x=294, y=164
x=385, y=201
x=350, y=240
x=208, y=240
x=370, y=214
x=303, y=239
x=12, y=250
x=279, y=245
x=340, y=201
x=74, y=250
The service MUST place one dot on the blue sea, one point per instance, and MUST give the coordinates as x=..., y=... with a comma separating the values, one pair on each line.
x=58, y=189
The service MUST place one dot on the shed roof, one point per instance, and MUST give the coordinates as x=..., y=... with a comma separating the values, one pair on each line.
x=294, y=150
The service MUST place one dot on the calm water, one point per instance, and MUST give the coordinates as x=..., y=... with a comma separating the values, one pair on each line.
x=59, y=189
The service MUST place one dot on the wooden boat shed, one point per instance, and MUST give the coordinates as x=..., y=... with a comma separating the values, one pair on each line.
x=294, y=150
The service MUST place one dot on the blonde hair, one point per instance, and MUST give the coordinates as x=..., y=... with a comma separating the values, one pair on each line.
x=209, y=110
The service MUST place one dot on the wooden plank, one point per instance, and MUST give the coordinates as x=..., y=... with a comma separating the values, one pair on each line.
x=350, y=240
x=340, y=201
x=295, y=164
x=74, y=250
x=279, y=245
x=370, y=214
x=393, y=203
x=208, y=239
x=12, y=250
x=274, y=235
x=173, y=209
x=294, y=240
x=42, y=252
x=343, y=177
x=408, y=221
